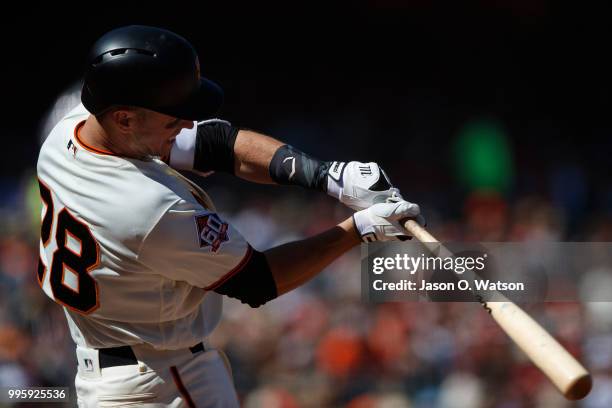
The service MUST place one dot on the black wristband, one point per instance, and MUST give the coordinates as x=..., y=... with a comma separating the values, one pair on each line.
x=291, y=166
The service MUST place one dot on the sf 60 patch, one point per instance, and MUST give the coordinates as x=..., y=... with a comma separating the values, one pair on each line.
x=212, y=231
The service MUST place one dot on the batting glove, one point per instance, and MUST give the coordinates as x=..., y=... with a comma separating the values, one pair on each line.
x=359, y=185
x=381, y=222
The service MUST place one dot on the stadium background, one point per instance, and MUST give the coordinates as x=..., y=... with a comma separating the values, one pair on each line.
x=494, y=116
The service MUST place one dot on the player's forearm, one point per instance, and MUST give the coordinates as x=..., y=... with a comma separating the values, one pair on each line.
x=252, y=155
x=295, y=263
x=263, y=159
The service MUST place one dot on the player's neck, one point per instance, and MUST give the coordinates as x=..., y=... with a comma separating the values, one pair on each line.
x=94, y=135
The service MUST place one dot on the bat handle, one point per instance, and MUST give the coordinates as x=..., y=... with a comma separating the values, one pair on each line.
x=417, y=231
x=422, y=235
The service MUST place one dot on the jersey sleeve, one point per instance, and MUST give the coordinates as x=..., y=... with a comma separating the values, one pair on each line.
x=194, y=245
x=183, y=150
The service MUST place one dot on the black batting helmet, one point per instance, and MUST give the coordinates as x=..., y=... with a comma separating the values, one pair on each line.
x=151, y=68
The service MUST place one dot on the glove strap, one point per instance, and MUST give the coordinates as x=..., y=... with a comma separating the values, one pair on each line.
x=334, y=181
x=363, y=227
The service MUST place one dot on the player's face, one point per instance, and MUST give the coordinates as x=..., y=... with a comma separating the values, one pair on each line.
x=155, y=132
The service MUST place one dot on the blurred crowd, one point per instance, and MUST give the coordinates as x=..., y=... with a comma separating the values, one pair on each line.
x=321, y=345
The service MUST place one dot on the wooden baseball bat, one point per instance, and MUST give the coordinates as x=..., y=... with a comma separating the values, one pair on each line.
x=563, y=370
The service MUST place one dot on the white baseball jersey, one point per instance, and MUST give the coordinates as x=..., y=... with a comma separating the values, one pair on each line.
x=130, y=248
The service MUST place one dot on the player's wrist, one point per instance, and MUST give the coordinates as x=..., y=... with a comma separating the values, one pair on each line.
x=352, y=233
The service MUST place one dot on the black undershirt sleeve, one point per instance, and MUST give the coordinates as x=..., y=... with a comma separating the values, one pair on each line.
x=253, y=284
x=214, y=149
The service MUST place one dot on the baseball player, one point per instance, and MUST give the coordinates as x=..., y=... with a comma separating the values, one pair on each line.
x=138, y=256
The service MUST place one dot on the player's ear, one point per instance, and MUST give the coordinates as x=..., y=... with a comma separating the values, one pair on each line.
x=124, y=119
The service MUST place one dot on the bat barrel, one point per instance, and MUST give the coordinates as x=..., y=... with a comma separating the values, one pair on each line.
x=563, y=370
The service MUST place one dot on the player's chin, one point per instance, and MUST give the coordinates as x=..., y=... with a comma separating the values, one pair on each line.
x=166, y=148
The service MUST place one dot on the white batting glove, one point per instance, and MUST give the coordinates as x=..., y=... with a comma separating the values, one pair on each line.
x=359, y=185
x=380, y=222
